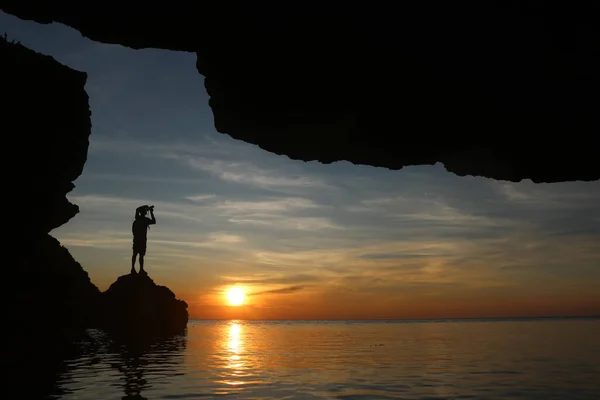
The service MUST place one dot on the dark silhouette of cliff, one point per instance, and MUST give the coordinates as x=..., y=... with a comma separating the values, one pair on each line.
x=506, y=90
x=48, y=297
x=46, y=123
x=34, y=364
x=45, y=120
x=49, y=300
x=136, y=306
x=52, y=289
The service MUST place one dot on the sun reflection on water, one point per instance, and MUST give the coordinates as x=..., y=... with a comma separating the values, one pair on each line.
x=234, y=343
x=235, y=363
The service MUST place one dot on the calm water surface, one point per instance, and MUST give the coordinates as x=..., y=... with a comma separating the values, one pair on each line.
x=532, y=359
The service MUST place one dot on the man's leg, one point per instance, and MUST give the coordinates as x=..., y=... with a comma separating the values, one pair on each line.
x=133, y=261
x=142, y=252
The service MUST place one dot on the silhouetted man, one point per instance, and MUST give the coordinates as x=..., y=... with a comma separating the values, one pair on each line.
x=140, y=229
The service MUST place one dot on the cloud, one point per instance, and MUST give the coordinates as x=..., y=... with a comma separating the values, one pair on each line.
x=121, y=206
x=513, y=192
x=272, y=279
x=137, y=178
x=249, y=174
x=220, y=159
x=549, y=196
x=285, y=290
x=228, y=225
x=200, y=197
x=219, y=237
x=279, y=223
x=393, y=256
x=283, y=213
x=97, y=242
x=278, y=204
x=426, y=210
x=107, y=239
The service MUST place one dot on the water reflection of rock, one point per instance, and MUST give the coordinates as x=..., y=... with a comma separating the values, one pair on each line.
x=138, y=357
x=32, y=369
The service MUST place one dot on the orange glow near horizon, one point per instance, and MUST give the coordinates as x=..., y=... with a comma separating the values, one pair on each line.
x=328, y=303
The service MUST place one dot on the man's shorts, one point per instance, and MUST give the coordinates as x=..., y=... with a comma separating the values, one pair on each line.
x=139, y=247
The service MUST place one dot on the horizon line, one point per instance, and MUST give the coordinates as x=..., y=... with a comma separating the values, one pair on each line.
x=399, y=319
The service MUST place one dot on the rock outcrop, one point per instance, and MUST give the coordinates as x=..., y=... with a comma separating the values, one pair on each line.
x=50, y=299
x=50, y=302
x=506, y=90
x=46, y=127
x=52, y=290
x=45, y=120
x=135, y=305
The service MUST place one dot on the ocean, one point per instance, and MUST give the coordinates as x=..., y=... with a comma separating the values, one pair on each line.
x=435, y=359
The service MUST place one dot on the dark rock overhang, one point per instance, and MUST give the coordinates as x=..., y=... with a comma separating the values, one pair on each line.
x=506, y=90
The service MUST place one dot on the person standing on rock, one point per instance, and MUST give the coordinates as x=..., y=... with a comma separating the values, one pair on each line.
x=140, y=227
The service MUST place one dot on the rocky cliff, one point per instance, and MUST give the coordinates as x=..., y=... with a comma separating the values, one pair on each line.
x=45, y=120
x=46, y=124
x=135, y=305
x=506, y=90
x=49, y=298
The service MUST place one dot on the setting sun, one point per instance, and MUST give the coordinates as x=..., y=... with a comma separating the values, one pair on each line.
x=235, y=296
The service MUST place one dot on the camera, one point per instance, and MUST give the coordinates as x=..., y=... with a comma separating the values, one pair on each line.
x=150, y=208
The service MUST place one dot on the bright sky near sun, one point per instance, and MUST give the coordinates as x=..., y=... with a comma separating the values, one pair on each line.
x=236, y=296
x=304, y=240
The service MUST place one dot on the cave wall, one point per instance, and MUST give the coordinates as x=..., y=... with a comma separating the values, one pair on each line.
x=45, y=121
x=50, y=299
x=506, y=90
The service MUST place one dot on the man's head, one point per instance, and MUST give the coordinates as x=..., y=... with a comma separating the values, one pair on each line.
x=141, y=211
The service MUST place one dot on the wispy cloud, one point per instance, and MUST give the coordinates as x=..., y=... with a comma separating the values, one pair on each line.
x=126, y=206
x=222, y=159
x=285, y=290
x=249, y=174
x=278, y=204
x=275, y=213
x=220, y=237
x=437, y=211
x=564, y=195
x=301, y=224
x=200, y=197
x=272, y=278
x=110, y=239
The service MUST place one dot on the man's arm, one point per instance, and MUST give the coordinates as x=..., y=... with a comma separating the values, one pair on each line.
x=152, y=220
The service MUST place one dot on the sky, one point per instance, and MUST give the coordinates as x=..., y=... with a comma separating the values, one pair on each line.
x=304, y=240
